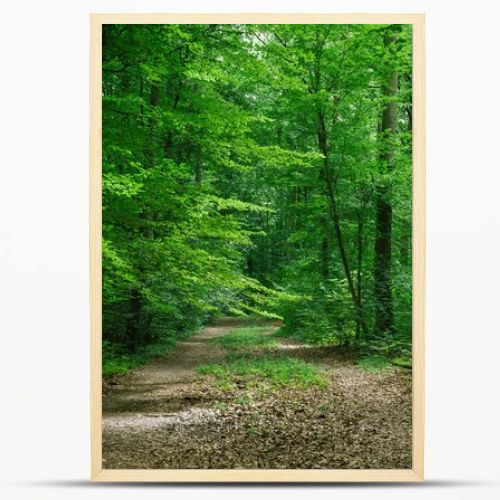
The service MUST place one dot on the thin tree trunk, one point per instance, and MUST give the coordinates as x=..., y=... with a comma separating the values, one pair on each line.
x=330, y=189
x=334, y=214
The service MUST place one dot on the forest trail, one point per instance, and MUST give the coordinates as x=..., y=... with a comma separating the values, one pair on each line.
x=168, y=415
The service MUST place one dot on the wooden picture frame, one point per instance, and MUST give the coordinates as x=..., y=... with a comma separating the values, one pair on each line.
x=418, y=249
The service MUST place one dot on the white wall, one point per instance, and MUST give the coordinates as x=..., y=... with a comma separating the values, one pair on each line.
x=43, y=248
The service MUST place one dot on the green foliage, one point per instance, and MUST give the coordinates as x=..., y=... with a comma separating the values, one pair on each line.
x=118, y=361
x=387, y=346
x=246, y=337
x=264, y=370
x=326, y=320
x=220, y=406
x=403, y=362
x=216, y=194
x=245, y=399
x=375, y=364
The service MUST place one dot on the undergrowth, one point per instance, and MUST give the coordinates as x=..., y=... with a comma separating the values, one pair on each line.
x=264, y=370
x=377, y=364
x=241, y=338
x=379, y=354
x=117, y=361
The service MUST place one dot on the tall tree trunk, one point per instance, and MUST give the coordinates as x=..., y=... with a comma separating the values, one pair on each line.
x=384, y=315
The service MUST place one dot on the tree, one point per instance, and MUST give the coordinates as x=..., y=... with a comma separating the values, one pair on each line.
x=246, y=170
x=384, y=317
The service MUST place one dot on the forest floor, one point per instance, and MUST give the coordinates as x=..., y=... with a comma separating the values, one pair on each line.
x=168, y=415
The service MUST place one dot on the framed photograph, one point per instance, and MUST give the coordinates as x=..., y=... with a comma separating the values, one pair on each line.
x=257, y=247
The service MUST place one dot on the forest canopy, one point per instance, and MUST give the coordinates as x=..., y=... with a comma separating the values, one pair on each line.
x=256, y=170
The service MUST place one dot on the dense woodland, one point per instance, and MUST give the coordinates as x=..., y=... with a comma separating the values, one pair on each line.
x=259, y=170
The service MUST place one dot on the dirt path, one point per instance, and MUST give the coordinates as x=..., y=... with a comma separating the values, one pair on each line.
x=166, y=415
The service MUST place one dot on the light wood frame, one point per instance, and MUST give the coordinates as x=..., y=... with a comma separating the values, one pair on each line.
x=418, y=251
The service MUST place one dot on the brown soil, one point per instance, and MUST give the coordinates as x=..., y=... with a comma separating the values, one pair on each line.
x=166, y=415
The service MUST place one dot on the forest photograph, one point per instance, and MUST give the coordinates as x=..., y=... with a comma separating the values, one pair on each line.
x=257, y=246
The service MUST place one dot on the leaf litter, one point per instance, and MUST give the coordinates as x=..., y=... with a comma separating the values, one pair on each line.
x=166, y=415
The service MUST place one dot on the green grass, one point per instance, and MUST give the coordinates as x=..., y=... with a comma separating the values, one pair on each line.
x=116, y=362
x=325, y=407
x=378, y=364
x=267, y=370
x=241, y=338
x=220, y=406
x=314, y=336
x=403, y=361
x=245, y=399
x=375, y=364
